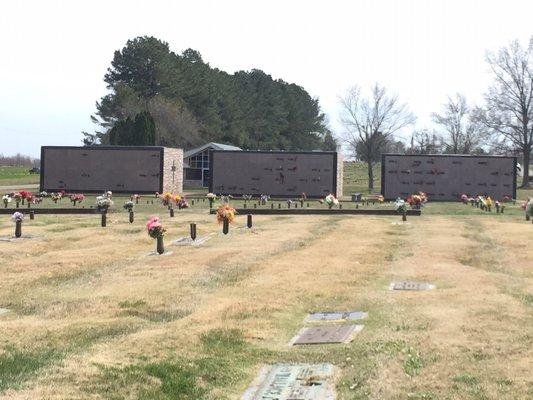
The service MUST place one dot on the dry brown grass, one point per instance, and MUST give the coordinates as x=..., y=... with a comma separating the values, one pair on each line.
x=469, y=338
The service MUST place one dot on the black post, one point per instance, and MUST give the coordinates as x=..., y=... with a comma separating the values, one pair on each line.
x=192, y=202
x=32, y=214
x=29, y=204
x=295, y=205
x=160, y=247
x=244, y=206
x=104, y=219
x=272, y=206
x=255, y=205
x=171, y=212
x=131, y=217
x=193, y=231
x=404, y=216
x=18, y=229
x=249, y=221
x=502, y=208
x=279, y=205
x=307, y=205
x=211, y=203
x=340, y=206
x=225, y=226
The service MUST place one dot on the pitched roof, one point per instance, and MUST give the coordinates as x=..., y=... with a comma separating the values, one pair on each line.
x=213, y=145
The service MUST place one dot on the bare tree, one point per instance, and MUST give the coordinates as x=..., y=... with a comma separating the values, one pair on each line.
x=464, y=134
x=370, y=122
x=508, y=107
x=425, y=142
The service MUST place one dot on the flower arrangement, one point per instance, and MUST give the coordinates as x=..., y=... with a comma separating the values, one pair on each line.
x=182, y=203
x=400, y=205
x=246, y=197
x=18, y=198
x=103, y=202
x=166, y=198
x=177, y=198
x=17, y=217
x=464, y=198
x=264, y=198
x=6, y=199
x=55, y=197
x=417, y=200
x=43, y=194
x=76, y=198
x=507, y=199
x=24, y=195
x=109, y=194
x=155, y=228
x=226, y=199
x=211, y=196
x=225, y=212
x=128, y=206
x=136, y=198
x=331, y=200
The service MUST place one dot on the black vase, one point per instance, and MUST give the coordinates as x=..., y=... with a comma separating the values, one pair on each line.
x=171, y=212
x=18, y=229
x=160, y=247
x=104, y=219
x=32, y=214
x=193, y=231
x=404, y=217
x=225, y=226
x=249, y=221
x=131, y=217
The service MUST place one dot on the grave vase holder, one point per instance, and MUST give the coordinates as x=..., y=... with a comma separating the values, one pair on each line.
x=104, y=219
x=193, y=231
x=211, y=202
x=131, y=218
x=225, y=226
x=404, y=216
x=171, y=210
x=501, y=209
x=17, y=204
x=249, y=220
x=18, y=229
x=160, y=248
x=32, y=214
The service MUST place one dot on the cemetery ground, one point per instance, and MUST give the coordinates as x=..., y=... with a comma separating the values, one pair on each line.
x=91, y=316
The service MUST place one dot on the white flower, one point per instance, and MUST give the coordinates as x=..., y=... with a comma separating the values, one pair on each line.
x=17, y=216
x=6, y=198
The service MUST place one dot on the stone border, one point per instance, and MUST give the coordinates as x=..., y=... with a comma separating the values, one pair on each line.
x=319, y=211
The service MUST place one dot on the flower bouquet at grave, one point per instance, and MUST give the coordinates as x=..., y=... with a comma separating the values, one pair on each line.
x=211, y=197
x=417, y=200
x=103, y=203
x=6, y=199
x=128, y=205
x=507, y=199
x=109, y=194
x=76, y=198
x=226, y=199
x=264, y=198
x=225, y=211
x=18, y=198
x=246, y=197
x=166, y=198
x=401, y=206
x=331, y=201
x=303, y=197
x=55, y=197
x=182, y=203
x=24, y=195
x=135, y=198
x=465, y=198
x=156, y=231
x=43, y=194
x=17, y=218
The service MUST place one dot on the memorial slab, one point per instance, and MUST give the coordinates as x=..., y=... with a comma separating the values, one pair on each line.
x=332, y=316
x=410, y=285
x=293, y=382
x=326, y=334
x=187, y=241
x=3, y=311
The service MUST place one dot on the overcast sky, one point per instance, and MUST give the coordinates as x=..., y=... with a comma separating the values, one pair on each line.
x=53, y=54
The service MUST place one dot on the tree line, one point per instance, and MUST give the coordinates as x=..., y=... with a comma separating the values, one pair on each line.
x=503, y=124
x=18, y=160
x=164, y=98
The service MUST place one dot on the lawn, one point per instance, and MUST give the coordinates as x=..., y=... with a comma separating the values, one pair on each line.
x=17, y=176
x=92, y=316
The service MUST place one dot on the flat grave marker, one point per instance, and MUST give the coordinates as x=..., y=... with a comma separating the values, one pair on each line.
x=326, y=334
x=187, y=241
x=293, y=382
x=411, y=285
x=3, y=311
x=332, y=316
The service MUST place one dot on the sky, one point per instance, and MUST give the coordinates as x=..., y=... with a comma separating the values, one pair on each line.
x=54, y=54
